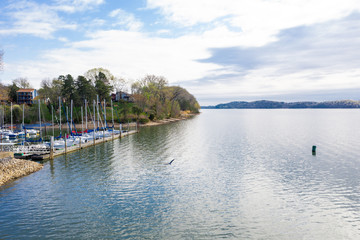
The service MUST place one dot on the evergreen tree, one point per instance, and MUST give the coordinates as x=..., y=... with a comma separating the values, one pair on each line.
x=68, y=91
x=85, y=90
x=12, y=92
x=102, y=88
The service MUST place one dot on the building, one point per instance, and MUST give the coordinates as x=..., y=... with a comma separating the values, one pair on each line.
x=123, y=96
x=26, y=95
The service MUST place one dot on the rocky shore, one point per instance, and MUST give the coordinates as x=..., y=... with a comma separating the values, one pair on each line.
x=11, y=168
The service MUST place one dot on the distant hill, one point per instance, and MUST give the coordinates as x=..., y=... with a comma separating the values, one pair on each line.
x=272, y=105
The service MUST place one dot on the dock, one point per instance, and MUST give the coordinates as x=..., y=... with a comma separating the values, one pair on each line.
x=48, y=153
x=83, y=145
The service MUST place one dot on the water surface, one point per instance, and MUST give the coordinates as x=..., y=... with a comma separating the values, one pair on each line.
x=237, y=174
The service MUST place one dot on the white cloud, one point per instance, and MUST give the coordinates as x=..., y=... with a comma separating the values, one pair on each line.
x=126, y=19
x=257, y=19
x=35, y=19
x=72, y=6
x=63, y=39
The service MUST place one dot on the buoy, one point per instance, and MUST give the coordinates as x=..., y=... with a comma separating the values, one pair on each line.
x=313, y=150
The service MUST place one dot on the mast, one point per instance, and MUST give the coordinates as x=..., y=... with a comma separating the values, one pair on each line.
x=11, y=123
x=71, y=115
x=23, y=125
x=94, y=120
x=82, y=120
x=86, y=126
x=98, y=114
x=60, y=113
x=105, y=113
x=40, y=119
x=52, y=119
x=112, y=115
x=67, y=118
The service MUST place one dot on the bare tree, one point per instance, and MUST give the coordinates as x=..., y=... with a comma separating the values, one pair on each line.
x=22, y=82
x=120, y=84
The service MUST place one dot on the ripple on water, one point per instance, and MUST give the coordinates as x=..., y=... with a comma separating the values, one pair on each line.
x=237, y=174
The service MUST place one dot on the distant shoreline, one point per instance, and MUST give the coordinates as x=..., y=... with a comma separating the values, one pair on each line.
x=264, y=104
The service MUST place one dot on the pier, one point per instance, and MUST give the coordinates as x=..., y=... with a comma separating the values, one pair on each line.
x=36, y=152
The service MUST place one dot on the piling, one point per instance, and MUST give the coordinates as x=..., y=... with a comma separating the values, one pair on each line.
x=65, y=145
x=94, y=136
x=52, y=147
x=314, y=150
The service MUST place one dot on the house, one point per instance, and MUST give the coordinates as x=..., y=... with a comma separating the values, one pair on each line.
x=113, y=97
x=26, y=95
x=123, y=96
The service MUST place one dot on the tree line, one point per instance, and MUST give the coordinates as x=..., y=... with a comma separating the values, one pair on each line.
x=152, y=98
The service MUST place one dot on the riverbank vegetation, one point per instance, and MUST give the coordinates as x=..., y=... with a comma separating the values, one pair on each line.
x=151, y=98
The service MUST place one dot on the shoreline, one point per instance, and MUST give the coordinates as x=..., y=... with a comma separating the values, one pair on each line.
x=78, y=126
x=12, y=168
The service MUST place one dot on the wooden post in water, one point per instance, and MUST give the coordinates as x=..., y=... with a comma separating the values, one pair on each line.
x=52, y=147
x=79, y=142
x=120, y=128
x=112, y=119
x=65, y=145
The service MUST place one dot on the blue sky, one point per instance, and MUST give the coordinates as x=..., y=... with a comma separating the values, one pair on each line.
x=219, y=50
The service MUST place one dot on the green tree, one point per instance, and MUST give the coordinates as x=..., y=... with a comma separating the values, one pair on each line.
x=50, y=89
x=12, y=92
x=102, y=89
x=68, y=91
x=84, y=89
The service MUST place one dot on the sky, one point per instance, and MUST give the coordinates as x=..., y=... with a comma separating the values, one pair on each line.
x=220, y=51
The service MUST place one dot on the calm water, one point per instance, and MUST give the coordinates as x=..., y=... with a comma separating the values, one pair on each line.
x=237, y=174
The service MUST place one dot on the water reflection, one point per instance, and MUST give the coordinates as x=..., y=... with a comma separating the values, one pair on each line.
x=237, y=174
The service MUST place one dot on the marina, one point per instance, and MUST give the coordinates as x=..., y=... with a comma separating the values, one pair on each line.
x=30, y=143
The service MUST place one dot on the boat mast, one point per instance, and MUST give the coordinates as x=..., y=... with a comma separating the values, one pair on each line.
x=82, y=120
x=112, y=115
x=11, y=122
x=105, y=112
x=40, y=119
x=94, y=119
x=67, y=118
x=52, y=119
x=60, y=114
x=71, y=115
x=86, y=126
x=23, y=125
x=98, y=114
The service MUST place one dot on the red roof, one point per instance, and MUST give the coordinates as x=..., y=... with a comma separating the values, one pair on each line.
x=25, y=90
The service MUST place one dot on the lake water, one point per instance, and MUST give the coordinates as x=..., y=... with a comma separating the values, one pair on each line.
x=237, y=174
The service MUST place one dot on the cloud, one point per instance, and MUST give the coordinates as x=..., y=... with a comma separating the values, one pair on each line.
x=256, y=19
x=72, y=6
x=31, y=18
x=125, y=19
x=319, y=58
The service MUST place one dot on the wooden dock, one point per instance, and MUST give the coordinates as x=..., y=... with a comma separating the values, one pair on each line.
x=66, y=150
x=78, y=147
